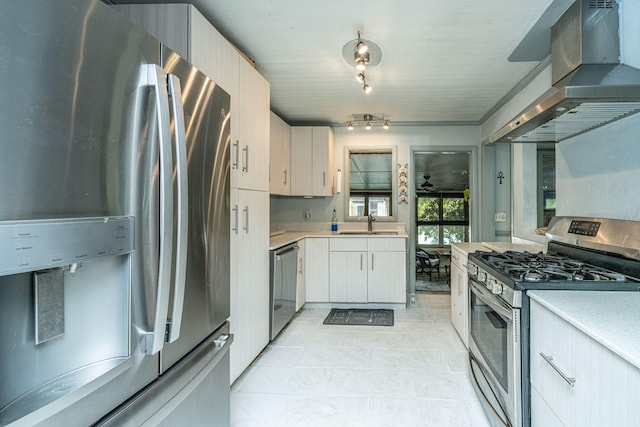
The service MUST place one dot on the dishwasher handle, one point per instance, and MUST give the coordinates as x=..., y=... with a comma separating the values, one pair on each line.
x=286, y=250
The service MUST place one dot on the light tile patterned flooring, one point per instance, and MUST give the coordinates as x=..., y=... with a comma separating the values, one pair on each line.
x=412, y=374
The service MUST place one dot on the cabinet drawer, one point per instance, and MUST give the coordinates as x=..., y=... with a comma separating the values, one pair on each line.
x=358, y=244
x=459, y=257
x=606, y=388
x=389, y=244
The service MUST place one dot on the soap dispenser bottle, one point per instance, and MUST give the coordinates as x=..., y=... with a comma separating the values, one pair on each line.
x=334, y=223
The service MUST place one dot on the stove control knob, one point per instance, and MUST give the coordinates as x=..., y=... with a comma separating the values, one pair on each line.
x=472, y=269
x=497, y=288
x=482, y=276
x=491, y=282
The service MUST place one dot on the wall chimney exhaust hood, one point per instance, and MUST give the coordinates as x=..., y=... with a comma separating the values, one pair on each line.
x=591, y=87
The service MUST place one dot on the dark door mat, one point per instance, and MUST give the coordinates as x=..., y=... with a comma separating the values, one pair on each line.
x=359, y=316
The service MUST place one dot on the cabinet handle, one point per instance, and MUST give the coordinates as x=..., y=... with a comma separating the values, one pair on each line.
x=371, y=262
x=245, y=160
x=361, y=255
x=300, y=262
x=324, y=179
x=285, y=177
x=234, y=166
x=549, y=360
x=235, y=210
x=246, y=219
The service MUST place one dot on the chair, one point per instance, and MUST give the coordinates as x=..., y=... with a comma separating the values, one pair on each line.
x=427, y=263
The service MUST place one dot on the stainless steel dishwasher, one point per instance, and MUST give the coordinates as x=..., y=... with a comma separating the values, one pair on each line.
x=282, y=295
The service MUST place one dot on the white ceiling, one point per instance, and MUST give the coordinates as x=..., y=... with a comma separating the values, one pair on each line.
x=443, y=61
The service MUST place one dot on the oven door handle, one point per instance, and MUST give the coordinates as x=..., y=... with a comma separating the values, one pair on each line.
x=490, y=300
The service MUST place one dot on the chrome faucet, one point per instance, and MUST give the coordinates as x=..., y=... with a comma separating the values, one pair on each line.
x=371, y=218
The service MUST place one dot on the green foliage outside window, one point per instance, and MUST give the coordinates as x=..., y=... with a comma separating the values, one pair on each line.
x=442, y=219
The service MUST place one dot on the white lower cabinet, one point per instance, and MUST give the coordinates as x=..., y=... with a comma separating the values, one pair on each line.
x=387, y=270
x=348, y=270
x=605, y=391
x=249, y=277
x=460, y=291
x=316, y=275
x=366, y=270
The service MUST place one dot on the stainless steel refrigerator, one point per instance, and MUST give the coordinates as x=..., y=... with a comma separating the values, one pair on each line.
x=114, y=224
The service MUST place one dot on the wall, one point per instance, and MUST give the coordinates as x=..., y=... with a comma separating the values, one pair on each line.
x=597, y=173
x=287, y=210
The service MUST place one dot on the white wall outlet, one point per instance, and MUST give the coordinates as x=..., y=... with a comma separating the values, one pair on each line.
x=306, y=213
x=500, y=217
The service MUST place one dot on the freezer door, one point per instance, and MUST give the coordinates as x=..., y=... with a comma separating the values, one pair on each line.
x=193, y=392
x=206, y=109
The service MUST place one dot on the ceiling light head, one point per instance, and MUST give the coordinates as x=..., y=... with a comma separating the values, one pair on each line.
x=350, y=126
x=361, y=47
x=367, y=126
x=354, y=48
x=366, y=88
x=385, y=125
x=360, y=77
x=361, y=60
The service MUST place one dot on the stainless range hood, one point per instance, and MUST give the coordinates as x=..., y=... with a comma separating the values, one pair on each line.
x=590, y=86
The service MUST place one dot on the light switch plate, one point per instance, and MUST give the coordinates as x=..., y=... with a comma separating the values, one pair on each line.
x=500, y=217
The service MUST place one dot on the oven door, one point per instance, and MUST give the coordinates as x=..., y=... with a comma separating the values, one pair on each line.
x=494, y=355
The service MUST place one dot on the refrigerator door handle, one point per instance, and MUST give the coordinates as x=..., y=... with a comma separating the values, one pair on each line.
x=155, y=77
x=182, y=221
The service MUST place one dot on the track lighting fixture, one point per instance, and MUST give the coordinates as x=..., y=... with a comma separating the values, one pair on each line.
x=368, y=121
x=362, y=54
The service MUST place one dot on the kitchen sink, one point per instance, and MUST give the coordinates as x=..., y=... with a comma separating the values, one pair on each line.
x=368, y=233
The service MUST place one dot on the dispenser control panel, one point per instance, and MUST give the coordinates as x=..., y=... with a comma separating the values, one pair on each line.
x=40, y=244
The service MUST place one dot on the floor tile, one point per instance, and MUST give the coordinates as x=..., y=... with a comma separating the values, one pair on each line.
x=414, y=373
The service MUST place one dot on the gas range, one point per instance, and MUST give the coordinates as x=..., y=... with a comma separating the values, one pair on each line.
x=583, y=254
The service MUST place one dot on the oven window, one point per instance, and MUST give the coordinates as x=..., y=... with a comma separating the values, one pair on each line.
x=490, y=333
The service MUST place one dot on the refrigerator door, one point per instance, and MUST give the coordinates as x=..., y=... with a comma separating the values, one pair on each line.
x=80, y=126
x=206, y=109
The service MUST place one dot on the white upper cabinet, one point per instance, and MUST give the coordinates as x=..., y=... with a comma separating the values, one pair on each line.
x=250, y=142
x=280, y=157
x=311, y=161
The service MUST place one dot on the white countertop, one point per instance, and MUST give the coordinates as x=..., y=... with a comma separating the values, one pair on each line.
x=611, y=318
x=288, y=237
x=469, y=247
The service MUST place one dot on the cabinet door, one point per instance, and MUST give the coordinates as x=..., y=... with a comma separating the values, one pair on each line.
x=348, y=277
x=279, y=157
x=387, y=277
x=249, y=277
x=459, y=301
x=316, y=276
x=253, y=130
x=322, y=154
x=301, y=161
